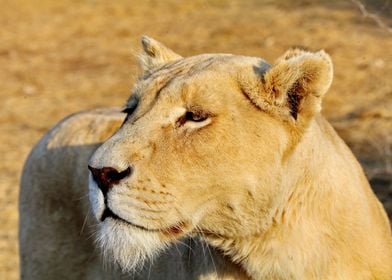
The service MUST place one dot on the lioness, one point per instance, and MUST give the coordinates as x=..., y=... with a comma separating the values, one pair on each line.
x=215, y=149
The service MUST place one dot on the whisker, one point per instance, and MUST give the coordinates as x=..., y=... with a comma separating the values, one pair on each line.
x=202, y=243
x=175, y=245
x=190, y=252
x=148, y=202
x=184, y=244
x=149, y=270
x=84, y=221
x=209, y=251
x=152, y=206
x=149, y=210
x=80, y=197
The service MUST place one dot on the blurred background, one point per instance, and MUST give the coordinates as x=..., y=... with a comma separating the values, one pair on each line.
x=59, y=57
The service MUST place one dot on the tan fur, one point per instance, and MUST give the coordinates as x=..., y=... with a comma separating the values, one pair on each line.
x=263, y=178
x=56, y=226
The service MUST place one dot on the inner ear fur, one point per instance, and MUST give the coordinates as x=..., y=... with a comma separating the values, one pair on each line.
x=295, y=85
x=155, y=54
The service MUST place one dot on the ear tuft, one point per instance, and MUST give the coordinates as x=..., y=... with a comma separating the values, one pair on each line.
x=155, y=54
x=150, y=46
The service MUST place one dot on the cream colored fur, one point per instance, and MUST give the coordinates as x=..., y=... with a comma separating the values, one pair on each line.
x=57, y=230
x=225, y=148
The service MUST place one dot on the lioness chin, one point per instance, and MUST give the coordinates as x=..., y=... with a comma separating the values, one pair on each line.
x=225, y=148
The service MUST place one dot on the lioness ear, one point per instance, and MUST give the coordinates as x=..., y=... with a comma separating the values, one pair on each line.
x=155, y=54
x=295, y=85
x=293, y=52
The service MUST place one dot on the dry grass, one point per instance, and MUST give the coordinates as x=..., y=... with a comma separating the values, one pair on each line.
x=59, y=57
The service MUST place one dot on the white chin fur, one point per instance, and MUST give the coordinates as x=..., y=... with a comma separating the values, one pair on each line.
x=127, y=246
x=96, y=198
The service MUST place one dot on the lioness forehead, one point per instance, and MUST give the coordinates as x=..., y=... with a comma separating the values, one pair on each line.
x=215, y=65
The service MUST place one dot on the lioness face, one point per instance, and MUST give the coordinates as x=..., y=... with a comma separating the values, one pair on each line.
x=194, y=155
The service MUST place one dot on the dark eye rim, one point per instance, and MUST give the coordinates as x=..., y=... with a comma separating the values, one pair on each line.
x=131, y=107
x=195, y=116
x=129, y=110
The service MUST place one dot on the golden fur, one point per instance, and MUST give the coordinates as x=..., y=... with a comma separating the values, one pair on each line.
x=224, y=148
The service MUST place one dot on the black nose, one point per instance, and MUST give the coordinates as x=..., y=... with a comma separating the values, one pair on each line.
x=107, y=177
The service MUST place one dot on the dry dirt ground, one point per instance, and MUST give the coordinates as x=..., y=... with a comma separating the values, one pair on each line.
x=58, y=57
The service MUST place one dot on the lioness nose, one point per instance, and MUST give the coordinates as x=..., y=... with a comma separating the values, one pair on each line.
x=107, y=177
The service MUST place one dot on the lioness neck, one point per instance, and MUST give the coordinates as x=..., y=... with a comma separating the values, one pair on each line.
x=321, y=228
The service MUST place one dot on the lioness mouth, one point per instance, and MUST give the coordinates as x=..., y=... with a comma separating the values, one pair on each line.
x=109, y=214
x=173, y=230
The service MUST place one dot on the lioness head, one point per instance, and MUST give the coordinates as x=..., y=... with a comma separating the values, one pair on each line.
x=202, y=147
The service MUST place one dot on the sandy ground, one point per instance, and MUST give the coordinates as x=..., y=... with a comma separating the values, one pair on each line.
x=58, y=57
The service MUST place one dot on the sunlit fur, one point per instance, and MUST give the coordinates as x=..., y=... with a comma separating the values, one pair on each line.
x=266, y=179
x=263, y=177
x=129, y=249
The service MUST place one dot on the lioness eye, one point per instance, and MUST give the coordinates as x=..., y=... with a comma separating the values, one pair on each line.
x=195, y=116
x=129, y=110
x=131, y=107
